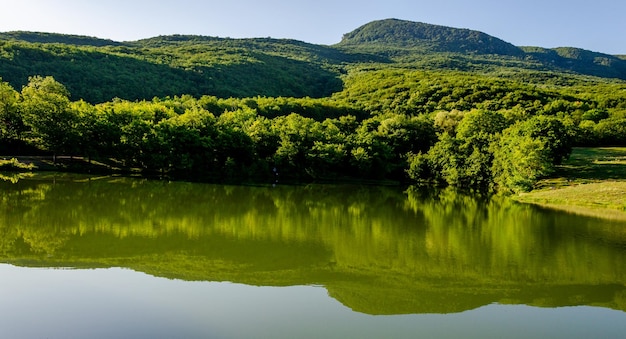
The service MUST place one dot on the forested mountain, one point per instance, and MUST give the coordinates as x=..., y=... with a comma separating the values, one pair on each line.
x=579, y=61
x=99, y=70
x=436, y=47
x=174, y=66
x=393, y=100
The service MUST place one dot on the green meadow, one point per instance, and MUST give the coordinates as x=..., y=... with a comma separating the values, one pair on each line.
x=592, y=181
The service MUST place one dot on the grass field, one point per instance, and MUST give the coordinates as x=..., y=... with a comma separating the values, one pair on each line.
x=592, y=181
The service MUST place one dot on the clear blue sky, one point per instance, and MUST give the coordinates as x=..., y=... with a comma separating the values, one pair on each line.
x=597, y=25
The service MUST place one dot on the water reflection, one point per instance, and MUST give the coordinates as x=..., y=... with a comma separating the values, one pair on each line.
x=120, y=303
x=377, y=250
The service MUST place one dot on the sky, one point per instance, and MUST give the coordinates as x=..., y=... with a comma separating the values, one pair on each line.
x=597, y=25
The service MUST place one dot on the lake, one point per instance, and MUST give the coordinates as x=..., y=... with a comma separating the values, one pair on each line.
x=115, y=257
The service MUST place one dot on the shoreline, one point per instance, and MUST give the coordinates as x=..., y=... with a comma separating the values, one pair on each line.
x=64, y=163
x=590, y=208
x=592, y=182
x=80, y=165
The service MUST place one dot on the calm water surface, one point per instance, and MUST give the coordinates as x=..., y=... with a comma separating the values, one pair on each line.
x=130, y=258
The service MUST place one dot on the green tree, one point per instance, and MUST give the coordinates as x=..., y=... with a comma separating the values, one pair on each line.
x=445, y=162
x=528, y=151
x=520, y=161
x=418, y=168
x=297, y=136
x=464, y=160
x=479, y=127
x=11, y=124
x=370, y=153
x=53, y=126
x=448, y=121
x=611, y=132
x=595, y=115
x=557, y=136
x=329, y=154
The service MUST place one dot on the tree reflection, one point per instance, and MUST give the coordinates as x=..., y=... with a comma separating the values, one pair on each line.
x=376, y=249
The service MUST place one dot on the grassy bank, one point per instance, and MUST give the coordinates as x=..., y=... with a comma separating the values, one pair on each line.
x=591, y=182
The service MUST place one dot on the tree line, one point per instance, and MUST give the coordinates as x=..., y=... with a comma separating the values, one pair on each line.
x=447, y=128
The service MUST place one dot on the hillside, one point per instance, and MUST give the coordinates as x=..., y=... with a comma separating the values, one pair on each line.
x=579, y=61
x=436, y=47
x=169, y=66
x=99, y=70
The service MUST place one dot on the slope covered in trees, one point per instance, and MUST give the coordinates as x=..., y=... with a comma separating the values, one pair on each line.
x=170, y=66
x=436, y=47
x=99, y=70
x=245, y=109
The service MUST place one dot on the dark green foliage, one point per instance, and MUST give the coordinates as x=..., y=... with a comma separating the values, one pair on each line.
x=98, y=74
x=595, y=115
x=463, y=160
x=610, y=132
x=579, y=61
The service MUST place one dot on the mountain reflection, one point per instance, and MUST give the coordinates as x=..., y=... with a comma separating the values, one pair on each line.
x=378, y=250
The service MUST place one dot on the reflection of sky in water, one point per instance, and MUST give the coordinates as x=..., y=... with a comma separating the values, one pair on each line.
x=119, y=303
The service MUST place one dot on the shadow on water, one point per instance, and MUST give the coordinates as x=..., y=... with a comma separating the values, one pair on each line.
x=378, y=250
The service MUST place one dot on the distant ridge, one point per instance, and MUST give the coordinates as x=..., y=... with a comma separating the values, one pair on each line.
x=40, y=37
x=399, y=37
x=579, y=61
x=408, y=34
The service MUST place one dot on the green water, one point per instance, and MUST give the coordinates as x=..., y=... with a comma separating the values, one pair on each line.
x=121, y=257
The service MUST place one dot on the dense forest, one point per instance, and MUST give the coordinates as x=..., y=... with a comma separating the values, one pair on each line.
x=394, y=100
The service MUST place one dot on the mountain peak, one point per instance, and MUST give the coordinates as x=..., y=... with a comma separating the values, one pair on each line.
x=408, y=34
